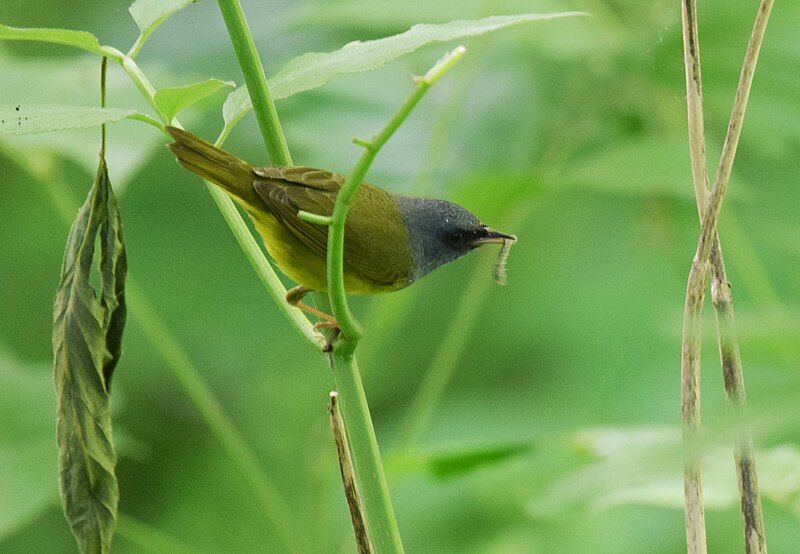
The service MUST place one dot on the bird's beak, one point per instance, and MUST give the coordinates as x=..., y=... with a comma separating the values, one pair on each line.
x=494, y=237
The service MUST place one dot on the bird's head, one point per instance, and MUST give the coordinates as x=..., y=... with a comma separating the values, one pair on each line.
x=441, y=231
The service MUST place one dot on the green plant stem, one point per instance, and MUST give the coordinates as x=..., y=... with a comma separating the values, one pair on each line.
x=379, y=513
x=351, y=329
x=256, y=81
x=238, y=227
x=371, y=479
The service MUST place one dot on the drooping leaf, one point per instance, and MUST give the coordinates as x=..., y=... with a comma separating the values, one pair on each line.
x=23, y=119
x=314, y=69
x=78, y=39
x=174, y=99
x=149, y=14
x=87, y=334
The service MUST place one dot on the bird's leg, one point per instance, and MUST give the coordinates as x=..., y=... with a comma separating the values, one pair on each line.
x=294, y=297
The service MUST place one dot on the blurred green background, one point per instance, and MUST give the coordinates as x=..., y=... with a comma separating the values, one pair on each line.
x=570, y=133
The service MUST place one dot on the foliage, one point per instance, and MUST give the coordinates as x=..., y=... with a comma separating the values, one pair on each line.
x=87, y=341
x=584, y=336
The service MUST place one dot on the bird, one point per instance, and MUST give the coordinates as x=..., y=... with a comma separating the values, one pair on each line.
x=390, y=241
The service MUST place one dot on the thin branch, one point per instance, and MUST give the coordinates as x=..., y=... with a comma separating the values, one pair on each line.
x=708, y=251
x=747, y=477
x=256, y=81
x=734, y=130
x=351, y=329
x=348, y=476
x=380, y=518
x=379, y=512
x=266, y=273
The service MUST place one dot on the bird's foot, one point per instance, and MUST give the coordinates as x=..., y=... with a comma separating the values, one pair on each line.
x=333, y=326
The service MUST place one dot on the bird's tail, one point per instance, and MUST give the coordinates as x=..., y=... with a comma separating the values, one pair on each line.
x=213, y=164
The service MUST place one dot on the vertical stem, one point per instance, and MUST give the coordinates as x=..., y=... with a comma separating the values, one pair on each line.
x=690, y=410
x=256, y=81
x=379, y=513
x=709, y=252
x=348, y=476
x=381, y=520
x=351, y=329
x=733, y=377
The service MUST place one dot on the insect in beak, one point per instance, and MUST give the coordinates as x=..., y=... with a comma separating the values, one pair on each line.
x=490, y=236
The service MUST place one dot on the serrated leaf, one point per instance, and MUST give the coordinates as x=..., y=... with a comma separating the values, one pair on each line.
x=149, y=14
x=314, y=69
x=172, y=100
x=87, y=334
x=78, y=39
x=22, y=119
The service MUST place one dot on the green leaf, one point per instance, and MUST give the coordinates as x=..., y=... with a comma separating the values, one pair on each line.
x=87, y=335
x=446, y=464
x=314, y=69
x=149, y=14
x=174, y=99
x=236, y=105
x=457, y=463
x=79, y=39
x=22, y=119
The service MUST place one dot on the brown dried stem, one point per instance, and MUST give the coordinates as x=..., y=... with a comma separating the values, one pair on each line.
x=348, y=476
x=709, y=252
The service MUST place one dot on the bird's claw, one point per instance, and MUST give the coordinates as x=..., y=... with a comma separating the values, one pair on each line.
x=333, y=326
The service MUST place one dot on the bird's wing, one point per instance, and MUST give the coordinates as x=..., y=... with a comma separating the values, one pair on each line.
x=371, y=252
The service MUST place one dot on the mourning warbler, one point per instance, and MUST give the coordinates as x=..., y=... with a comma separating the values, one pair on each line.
x=390, y=240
